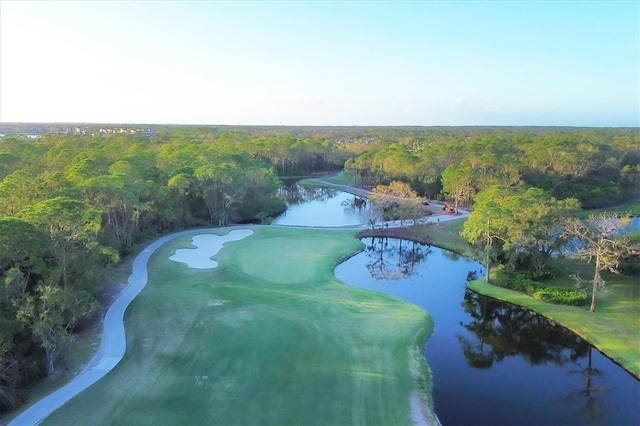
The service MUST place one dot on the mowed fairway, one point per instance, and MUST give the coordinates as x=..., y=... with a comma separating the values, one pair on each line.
x=268, y=337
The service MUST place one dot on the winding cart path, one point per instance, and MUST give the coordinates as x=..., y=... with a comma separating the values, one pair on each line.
x=113, y=344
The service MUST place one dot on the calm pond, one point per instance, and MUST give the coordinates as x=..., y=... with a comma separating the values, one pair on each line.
x=323, y=207
x=493, y=363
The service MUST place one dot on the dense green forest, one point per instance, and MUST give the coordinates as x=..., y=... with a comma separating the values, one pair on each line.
x=71, y=205
x=599, y=167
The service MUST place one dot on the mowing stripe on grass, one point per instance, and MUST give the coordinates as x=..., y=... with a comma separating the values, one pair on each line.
x=269, y=337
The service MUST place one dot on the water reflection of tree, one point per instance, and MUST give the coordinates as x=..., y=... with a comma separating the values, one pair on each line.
x=394, y=259
x=593, y=405
x=295, y=194
x=355, y=203
x=504, y=330
x=451, y=255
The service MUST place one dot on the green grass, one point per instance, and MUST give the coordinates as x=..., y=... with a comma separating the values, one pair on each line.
x=447, y=235
x=632, y=208
x=343, y=179
x=268, y=337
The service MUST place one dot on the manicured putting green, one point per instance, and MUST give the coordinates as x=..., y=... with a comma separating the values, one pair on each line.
x=268, y=337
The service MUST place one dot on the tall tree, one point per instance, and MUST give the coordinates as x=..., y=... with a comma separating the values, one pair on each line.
x=397, y=201
x=485, y=228
x=601, y=239
x=522, y=223
x=119, y=200
x=219, y=186
x=52, y=313
x=457, y=183
x=73, y=227
x=25, y=254
x=533, y=234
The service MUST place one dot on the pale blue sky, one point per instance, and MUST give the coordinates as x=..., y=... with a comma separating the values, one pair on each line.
x=572, y=63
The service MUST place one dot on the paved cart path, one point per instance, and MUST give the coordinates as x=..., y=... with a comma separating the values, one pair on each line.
x=113, y=344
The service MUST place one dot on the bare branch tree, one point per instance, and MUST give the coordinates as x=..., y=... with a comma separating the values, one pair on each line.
x=600, y=239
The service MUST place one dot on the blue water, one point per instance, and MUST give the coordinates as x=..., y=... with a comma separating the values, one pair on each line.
x=492, y=362
x=310, y=206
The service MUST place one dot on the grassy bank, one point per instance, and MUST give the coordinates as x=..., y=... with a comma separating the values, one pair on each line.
x=268, y=337
x=614, y=329
x=337, y=181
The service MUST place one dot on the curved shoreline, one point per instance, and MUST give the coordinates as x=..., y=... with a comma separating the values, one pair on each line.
x=553, y=313
x=112, y=346
x=520, y=299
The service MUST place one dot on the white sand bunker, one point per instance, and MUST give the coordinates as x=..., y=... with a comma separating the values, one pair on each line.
x=207, y=246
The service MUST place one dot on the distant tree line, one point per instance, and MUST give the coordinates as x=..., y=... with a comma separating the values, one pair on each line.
x=598, y=167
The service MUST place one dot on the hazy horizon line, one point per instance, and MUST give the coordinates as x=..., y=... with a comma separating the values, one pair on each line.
x=96, y=123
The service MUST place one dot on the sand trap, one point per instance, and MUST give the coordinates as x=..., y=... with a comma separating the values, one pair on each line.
x=207, y=246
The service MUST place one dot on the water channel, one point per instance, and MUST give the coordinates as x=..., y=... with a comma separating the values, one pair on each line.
x=321, y=207
x=493, y=363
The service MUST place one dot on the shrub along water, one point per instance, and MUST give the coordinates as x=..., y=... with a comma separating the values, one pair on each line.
x=561, y=296
x=550, y=294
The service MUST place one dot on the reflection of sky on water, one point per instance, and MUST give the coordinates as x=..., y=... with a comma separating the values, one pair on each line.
x=321, y=207
x=526, y=370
